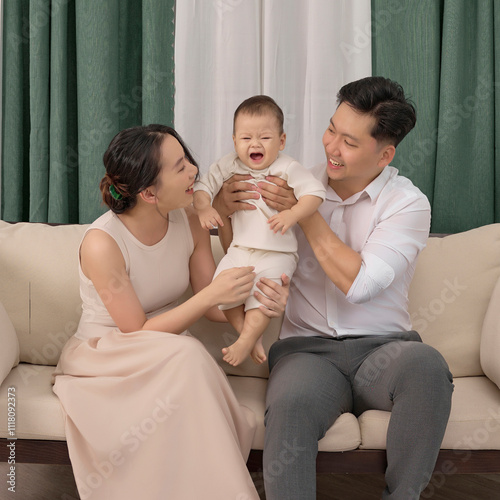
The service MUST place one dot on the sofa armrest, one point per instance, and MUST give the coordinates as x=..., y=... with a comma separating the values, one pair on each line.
x=9, y=351
x=490, y=338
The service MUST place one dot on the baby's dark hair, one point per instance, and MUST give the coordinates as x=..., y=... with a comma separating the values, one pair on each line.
x=132, y=163
x=260, y=105
x=385, y=100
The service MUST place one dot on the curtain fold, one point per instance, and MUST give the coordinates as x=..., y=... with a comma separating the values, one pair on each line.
x=464, y=190
x=443, y=54
x=39, y=67
x=15, y=128
x=158, y=61
x=98, y=72
x=75, y=73
x=217, y=53
x=305, y=62
x=299, y=52
x=63, y=108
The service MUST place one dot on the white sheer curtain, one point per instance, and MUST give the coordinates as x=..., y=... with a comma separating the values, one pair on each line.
x=300, y=52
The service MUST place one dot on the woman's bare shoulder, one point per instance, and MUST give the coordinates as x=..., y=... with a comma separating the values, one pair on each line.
x=98, y=247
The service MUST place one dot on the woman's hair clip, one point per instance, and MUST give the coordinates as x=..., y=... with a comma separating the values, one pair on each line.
x=114, y=193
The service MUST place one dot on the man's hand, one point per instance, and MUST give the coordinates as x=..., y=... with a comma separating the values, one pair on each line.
x=273, y=297
x=233, y=194
x=277, y=195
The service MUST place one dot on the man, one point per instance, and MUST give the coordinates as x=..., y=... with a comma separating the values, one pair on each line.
x=347, y=308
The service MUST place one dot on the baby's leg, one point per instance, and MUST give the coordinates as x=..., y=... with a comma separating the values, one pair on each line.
x=249, y=341
x=258, y=353
x=236, y=316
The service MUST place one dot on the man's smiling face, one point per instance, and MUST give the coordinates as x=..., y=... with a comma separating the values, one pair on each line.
x=354, y=157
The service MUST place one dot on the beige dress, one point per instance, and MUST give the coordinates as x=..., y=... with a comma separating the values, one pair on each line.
x=150, y=415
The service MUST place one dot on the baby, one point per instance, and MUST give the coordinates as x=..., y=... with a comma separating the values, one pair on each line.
x=261, y=237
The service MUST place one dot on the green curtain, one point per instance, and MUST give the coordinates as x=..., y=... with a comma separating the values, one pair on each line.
x=443, y=54
x=75, y=72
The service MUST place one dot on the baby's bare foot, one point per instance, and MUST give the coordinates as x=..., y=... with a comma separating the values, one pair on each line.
x=258, y=353
x=236, y=353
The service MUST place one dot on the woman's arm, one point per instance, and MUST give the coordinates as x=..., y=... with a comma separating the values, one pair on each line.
x=202, y=264
x=102, y=262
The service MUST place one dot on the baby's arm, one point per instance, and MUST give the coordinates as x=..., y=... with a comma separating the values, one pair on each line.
x=209, y=217
x=307, y=205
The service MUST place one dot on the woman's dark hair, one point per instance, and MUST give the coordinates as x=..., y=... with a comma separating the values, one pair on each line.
x=385, y=100
x=259, y=105
x=132, y=163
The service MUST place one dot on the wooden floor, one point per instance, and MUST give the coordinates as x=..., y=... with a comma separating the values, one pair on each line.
x=55, y=482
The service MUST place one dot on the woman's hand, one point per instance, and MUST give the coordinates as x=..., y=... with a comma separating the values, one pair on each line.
x=277, y=195
x=232, y=285
x=233, y=194
x=273, y=297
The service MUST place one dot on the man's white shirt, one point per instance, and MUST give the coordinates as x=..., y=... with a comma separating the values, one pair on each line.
x=388, y=225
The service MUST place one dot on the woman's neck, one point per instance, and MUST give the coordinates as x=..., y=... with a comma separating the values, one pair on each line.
x=148, y=226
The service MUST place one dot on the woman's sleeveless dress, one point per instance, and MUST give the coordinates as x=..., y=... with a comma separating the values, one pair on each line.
x=150, y=415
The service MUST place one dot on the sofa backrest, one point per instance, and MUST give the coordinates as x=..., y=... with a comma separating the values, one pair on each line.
x=450, y=292
x=39, y=286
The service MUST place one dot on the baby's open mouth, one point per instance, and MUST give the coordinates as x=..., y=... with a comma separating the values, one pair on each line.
x=256, y=156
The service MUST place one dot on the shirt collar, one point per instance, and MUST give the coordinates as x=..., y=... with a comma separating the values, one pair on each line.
x=372, y=190
x=375, y=187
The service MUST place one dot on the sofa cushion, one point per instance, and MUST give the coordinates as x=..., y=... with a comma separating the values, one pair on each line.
x=39, y=413
x=474, y=422
x=490, y=338
x=343, y=435
x=450, y=293
x=39, y=286
x=9, y=353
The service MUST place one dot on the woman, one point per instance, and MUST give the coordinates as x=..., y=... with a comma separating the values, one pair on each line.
x=149, y=414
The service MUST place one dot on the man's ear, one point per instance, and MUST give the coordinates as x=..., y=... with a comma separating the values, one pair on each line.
x=148, y=195
x=387, y=155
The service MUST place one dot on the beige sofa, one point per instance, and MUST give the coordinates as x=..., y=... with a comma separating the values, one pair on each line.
x=454, y=304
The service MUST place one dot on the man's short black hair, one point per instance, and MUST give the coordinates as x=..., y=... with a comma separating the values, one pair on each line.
x=385, y=100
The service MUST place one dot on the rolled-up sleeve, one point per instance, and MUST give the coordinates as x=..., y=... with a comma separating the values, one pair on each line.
x=391, y=250
x=374, y=276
